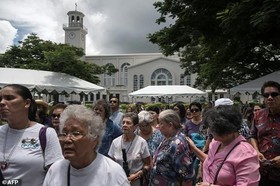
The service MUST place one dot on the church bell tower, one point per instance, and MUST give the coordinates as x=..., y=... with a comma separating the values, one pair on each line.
x=75, y=31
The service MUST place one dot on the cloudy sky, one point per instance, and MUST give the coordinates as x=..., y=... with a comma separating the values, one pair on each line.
x=114, y=26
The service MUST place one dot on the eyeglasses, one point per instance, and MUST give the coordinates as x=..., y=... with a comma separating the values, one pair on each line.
x=272, y=94
x=75, y=135
x=55, y=115
x=144, y=126
x=194, y=110
x=113, y=101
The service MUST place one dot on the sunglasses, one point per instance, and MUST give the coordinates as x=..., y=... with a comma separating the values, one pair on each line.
x=272, y=94
x=55, y=115
x=255, y=110
x=194, y=110
x=112, y=101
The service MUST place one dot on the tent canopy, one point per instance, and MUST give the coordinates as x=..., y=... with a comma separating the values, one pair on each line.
x=255, y=85
x=167, y=90
x=42, y=81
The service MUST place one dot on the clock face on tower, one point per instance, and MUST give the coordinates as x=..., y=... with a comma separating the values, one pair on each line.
x=72, y=35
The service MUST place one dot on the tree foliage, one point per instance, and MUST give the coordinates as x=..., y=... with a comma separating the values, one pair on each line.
x=35, y=53
x=225, y=42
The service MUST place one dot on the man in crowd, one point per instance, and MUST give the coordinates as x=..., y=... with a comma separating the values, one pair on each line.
x=266, y=134
x=116, y=116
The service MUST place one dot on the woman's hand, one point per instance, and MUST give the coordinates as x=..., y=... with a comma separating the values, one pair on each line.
x=191, y=143
x=203, y=184
x=276, y=162
x=261, y=156
x=135, y=176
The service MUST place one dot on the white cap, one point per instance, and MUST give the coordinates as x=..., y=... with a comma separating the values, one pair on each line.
x=223, y=101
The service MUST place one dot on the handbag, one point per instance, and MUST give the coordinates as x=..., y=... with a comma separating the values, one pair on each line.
x=198, y=139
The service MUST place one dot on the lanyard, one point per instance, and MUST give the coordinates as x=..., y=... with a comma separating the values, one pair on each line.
x=68, y=175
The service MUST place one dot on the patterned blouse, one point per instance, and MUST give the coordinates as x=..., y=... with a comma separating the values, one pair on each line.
x=172, y=162
x=266, y=130
x=153, y=142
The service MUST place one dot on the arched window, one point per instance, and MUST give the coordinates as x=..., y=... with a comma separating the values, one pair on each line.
x=124, y=73
x=161, y=76
x=141, y=81
x=185, y=79
x=109, y=80
x=135, y=82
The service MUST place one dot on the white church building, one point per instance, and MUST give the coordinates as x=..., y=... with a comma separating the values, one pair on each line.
x=135, y=71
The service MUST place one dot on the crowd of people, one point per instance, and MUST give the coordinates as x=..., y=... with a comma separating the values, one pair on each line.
x=221, y=144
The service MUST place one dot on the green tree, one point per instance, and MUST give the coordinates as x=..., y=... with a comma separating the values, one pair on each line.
x=226, y=42
x=35, y=53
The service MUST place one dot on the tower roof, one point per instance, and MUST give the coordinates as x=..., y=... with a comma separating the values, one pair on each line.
x=75, y=12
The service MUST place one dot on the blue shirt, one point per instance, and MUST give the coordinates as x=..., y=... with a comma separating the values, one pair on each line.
x=112, y=131
x=116, y=117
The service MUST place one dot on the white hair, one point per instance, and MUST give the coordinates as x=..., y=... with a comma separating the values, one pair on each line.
x=86, y=116
x=145, y=116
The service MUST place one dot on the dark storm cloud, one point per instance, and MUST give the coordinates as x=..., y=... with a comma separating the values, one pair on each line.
x=114, y=26
x=128, y=22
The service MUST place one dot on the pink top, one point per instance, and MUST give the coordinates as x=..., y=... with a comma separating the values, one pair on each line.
x=241, y=168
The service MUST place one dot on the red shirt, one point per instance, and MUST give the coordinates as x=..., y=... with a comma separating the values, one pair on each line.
x=266, y=130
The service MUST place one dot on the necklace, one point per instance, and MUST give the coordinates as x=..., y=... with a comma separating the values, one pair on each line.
x=5, y=164
x=129, y=144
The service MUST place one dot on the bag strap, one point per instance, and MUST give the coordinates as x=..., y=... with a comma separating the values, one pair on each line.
x=43, y=138
x=217, y=173
x=1, y=177
x=125, y=163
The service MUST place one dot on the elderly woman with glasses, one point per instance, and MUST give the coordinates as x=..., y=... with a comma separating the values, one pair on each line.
x=172, y=161
x=148, y=132
x=81, y=131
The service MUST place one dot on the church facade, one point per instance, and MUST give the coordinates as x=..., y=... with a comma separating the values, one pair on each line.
x=135, y=71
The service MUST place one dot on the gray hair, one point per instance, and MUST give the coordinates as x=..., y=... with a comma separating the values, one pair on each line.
x=133, y=116
x=83, y=114
x=145, y=116
x=223, y=119
x=170, y=116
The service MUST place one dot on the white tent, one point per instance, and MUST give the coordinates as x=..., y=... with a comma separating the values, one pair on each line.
x=167, y=90
x=255, y=85
x=46, y=81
